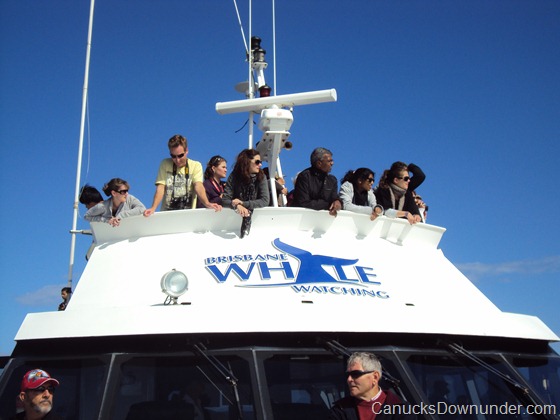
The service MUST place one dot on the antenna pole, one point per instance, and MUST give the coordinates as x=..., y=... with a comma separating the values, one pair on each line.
x=274, y=45
x=250, y=79
x=80, y=147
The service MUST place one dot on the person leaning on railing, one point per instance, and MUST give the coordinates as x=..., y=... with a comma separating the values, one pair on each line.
x=394, y=191
x=357, y=195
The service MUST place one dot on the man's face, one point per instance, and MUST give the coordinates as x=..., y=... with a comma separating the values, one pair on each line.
x=325, y=164
x=179, y=156
x=361, y=386
x=38, y=401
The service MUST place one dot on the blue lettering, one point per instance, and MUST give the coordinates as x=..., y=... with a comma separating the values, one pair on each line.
x=221, y=277
x=364, y=276
x=341, y=274
x=383, y=295
x=299, y=289
x=285, y=267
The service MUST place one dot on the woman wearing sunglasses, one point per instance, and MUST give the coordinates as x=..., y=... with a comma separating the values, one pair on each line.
x=246, y=188
x=394, y=191
x=216, y=170
x=119, y=205
x=356, y=193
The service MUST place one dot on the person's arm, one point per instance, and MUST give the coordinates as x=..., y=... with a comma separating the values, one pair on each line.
x=158, y=196
x=347, y=195
x=134, y=207
x=376, y=209
x=418, y=177
x=201, y=194
x=98, y=213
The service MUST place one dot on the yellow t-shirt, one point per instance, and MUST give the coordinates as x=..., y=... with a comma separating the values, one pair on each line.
x=179, y=185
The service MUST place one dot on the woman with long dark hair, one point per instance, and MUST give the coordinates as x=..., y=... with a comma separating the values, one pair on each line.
x=356, y=193
x=246, y=188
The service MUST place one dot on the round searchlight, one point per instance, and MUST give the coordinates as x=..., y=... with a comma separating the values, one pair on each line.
x=174, y=284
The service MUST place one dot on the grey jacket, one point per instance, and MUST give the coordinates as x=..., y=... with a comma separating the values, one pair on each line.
x=101, y=212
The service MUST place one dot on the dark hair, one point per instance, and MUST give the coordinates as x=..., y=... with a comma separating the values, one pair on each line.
x=90, y=194
x=318, y=154
x=177, y=140
x=213, y=162
x=241, y=169
x=67, y=290
x=390, y=174
x=114, y=185
x=354, y=176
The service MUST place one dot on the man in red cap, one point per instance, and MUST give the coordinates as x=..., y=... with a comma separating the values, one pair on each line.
x=36, y=396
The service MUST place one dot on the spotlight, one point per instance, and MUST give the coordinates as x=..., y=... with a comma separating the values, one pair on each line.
x=174, y=284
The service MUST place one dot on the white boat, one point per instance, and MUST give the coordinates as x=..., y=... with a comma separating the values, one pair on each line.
x=266, y=321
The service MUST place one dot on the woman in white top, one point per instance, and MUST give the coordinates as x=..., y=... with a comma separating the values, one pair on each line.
x=356, y=193
x=120, y=204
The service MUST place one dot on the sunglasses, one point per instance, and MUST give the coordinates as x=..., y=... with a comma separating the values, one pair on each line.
x=404, y=178
x=42, y=389
x=216, y=160
x=122, y=192
x=179, y=156
x=258, y=162
x=355, y=374
x=369, y=180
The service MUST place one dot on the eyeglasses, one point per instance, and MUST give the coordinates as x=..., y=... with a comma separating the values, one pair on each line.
x=258, y=162
x=404, y=178
x=355, y=374
x=42, y=389
x=369, y=180
x=122, y=192
x=179, y=156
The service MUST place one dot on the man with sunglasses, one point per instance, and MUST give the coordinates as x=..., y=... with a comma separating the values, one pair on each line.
x=179, y=181
x=36, y=396
x=367, y=401
x=315, y=188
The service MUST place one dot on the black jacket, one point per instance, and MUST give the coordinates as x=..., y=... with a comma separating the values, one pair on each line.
x=315, y=189
x=383, y=196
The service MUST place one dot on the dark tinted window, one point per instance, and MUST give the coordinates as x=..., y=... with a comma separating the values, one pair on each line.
x=161, y=388
x=78, y=396
x=453, y=384
x=543, y=375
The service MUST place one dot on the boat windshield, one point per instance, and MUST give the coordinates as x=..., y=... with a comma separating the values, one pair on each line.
x=286, y=383
x=454, y=383
x=543, y=375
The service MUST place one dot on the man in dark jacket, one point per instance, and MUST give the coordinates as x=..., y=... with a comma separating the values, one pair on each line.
x=367, y=400
x=315, y=188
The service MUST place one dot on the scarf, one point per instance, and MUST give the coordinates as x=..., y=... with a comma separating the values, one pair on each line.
x=397, y=194
x=248, y=191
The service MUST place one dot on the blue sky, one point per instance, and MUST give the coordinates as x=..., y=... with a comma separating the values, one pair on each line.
x=468, y=90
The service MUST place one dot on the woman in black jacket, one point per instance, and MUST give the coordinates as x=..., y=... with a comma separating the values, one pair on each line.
x=394, y=191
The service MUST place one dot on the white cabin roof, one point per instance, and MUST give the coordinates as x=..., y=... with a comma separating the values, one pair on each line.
x=299, y=270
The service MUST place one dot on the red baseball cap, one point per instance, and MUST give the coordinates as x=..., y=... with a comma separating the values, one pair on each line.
x=35, y=378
